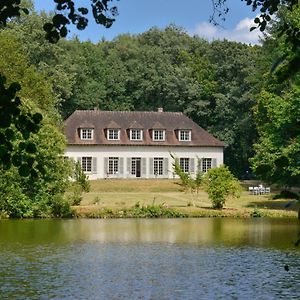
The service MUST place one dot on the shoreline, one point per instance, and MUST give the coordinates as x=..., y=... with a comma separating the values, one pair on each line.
x=160, y=211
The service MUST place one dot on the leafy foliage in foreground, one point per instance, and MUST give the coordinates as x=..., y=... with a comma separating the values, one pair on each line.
x=35, y=176
x=41, y=195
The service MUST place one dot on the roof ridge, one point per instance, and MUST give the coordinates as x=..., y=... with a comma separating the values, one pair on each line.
x=128, y=111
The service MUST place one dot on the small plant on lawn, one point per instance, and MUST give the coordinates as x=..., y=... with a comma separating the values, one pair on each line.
x=220, y=184
x=256, y=213
x=80, y=178
x=188, y=183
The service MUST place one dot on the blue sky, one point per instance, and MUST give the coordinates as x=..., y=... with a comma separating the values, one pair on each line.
x=136, y=16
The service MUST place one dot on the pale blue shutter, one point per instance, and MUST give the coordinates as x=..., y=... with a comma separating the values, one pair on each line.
x=121, y=166
x=214, y=163
x=192, y=165
x=151, y=167
x=128, y=166
x=200, y=168
x=94, y=165
x=105, y=166
x=144, y=167
x=166, y=167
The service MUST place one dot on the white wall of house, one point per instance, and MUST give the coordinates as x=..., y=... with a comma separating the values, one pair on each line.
x=147, y=154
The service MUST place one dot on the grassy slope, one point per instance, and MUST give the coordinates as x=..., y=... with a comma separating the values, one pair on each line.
x=120, y=194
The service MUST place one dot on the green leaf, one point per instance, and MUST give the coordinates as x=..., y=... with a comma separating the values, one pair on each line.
x=37, y=118
x=16, y=160
x=30, y=147
x=24, y=170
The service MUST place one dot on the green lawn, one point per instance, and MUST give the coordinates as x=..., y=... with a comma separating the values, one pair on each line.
x=120, y=194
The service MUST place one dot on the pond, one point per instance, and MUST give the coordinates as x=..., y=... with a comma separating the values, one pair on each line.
x=149, y=259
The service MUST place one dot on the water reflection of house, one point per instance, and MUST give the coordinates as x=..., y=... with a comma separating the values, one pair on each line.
x=122, y=144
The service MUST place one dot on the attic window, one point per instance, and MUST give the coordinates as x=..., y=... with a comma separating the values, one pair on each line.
x=113, y=134
x=136, y=134
x=87, y=133
x=185, y=135
x=158, y=135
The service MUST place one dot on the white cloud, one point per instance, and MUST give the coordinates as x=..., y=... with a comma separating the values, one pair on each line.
x=241, y=32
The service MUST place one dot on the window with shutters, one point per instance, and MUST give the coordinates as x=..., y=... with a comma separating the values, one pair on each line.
x=113, y=134
x=158, y=166
x=86, y=164
x=136, y=134
x=184, y=163
x=206, y=164
x=185, y=135
x=158, y=135
x=86, y=133
x=113, y=165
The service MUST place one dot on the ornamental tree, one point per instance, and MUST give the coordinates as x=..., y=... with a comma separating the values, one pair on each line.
x=220, y=184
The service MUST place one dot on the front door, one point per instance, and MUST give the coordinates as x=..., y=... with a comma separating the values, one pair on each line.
x=136, y=166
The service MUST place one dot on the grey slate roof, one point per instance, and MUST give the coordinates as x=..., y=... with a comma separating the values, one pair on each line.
x=102, y=120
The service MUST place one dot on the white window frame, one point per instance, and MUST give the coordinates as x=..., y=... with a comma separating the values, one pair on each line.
x=86, y=164
x=113, y=165
x=184, y=163
x=87, y=134
x=158, y=134
x=136, y=134
x=206, y=164
x=113, y=134
x=185, y=135
x=158, y=166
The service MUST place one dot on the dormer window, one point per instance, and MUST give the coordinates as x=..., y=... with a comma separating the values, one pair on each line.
x=113, y=134
x=87, y=133
x=158, y=135
x=185, y=135
x=136, y=134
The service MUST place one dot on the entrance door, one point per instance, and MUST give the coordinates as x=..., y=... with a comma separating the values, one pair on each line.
x=136, y=166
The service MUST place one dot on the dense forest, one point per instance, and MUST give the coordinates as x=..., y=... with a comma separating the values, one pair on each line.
x=225, y=87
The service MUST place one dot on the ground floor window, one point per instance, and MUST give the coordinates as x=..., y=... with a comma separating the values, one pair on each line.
x=206, y=164
x=184, y=163
x=158, y=166
x=86, y=164
x=113, y=165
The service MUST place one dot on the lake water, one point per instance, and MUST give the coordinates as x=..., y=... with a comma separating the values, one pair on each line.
x=149, y=259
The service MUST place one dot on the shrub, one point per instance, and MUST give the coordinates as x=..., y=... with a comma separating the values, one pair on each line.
x=257, y=213
x=220, y=184
x=60, y=207
x=286, y=195
x=80, y=178
x=76, y=196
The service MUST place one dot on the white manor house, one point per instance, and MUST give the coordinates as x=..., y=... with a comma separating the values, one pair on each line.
x=123, y=144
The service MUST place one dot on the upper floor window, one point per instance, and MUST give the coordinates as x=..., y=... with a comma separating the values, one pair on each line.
x=113, y=134
x=136, y=134
x=185, y=135
x=158, y=135
x=86, y=133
